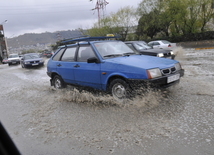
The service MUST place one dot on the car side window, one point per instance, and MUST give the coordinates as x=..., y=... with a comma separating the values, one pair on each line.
x=58, y=55
x=84, y=53
x=156, y=43
x=69, y=54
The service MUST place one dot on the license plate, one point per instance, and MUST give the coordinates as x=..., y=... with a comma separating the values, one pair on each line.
x=13, y=62
x=173, y=78
x=35, y=64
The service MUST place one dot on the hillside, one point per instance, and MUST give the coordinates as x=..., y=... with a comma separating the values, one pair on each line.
x=30, y=39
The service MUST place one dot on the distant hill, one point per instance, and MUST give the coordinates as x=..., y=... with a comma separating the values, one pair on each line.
x=29, y=39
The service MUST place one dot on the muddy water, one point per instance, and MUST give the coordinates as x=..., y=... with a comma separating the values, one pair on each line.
x=179, y=120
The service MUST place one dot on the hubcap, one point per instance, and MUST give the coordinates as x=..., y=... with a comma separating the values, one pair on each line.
x=118, y=91
x=57, y=83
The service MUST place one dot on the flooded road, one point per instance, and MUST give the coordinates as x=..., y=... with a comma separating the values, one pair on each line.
x=177, y=121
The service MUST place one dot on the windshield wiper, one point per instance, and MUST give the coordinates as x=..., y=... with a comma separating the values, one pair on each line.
x=113, y=55
x=127, y=54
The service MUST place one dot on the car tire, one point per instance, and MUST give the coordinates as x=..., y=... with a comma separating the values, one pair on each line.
x=8, y=64
x=120, y=90
x=58, y=82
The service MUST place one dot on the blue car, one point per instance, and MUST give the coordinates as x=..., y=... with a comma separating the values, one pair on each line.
x=109, y=65
x=31, y=60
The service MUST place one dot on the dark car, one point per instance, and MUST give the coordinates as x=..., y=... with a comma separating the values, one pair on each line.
x=143, y=48
x=47, y=54
x=31, y=60
x=110, y=66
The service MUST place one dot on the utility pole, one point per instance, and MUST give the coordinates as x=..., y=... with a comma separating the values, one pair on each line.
x=100, y=5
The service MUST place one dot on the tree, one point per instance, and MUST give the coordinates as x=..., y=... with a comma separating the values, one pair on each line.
x=153, y=19
x=149, y=24
x=207, y=13
x=175, y=17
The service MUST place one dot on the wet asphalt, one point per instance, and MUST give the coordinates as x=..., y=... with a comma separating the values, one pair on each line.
x=178, y=121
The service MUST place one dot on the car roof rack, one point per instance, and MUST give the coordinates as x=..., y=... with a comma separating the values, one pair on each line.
x=85, y=38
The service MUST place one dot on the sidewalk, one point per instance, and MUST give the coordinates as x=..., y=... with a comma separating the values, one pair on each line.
x=204, y=44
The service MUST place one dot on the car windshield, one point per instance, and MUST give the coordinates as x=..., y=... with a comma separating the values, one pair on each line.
x=33, y=56
x=113, y=49
x=13, y=56
x=141, y=46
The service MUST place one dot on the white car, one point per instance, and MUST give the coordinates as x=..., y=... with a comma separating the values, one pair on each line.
x=13, y=59
x=162, y=44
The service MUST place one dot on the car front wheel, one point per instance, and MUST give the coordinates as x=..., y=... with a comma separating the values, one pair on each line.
x=120, y=90
x=58, y=82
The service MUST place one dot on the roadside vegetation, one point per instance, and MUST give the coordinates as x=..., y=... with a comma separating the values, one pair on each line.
x=174, y=20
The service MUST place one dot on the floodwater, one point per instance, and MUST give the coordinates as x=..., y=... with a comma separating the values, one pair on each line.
x=178, y=121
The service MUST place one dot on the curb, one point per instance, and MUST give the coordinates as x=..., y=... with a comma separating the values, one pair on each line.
x=204, y=48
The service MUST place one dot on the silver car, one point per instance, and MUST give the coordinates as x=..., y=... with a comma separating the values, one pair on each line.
x=13, y=59
x=162, y=44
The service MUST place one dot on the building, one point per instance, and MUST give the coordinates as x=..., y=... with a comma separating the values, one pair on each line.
x=3, y=44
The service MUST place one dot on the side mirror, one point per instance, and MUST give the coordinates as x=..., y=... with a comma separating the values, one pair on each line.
x=92, y=60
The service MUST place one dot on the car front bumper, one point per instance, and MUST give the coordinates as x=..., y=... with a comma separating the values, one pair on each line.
x=161, y=82
x=169, y=56
x=34, y=64
x=13, y=61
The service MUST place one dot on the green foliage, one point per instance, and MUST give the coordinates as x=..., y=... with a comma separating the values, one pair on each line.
x=28, y=51
x=149, y=24
x=55, y=46
x=174, y=17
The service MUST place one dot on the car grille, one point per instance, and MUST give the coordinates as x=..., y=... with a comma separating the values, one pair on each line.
x=32, y=62
x=167, y=71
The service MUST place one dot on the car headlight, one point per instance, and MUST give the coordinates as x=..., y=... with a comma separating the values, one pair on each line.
x=172, y=53
x=153, y=73
x=27, y=62
x=178, y=66
x=41, y=61
x=160, y=55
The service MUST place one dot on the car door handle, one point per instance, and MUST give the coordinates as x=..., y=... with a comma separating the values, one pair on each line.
x=59, y=65
x=76, y=65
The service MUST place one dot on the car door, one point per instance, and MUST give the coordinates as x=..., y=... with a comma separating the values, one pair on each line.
x=87, y=74
x=156, y=45
x=66, y=63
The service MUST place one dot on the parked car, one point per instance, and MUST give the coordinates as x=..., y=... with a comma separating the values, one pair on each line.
x=31, y=60
x=143, y=48
x=13, y=59
x=162, y=44
x=4, y=61
x=110, y=66
x=20, y=56
x=47, y=54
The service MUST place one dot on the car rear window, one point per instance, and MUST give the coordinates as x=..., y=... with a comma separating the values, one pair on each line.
x=166, y=42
